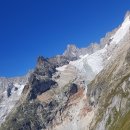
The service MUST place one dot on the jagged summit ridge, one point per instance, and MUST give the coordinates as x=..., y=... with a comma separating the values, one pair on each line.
x=115, y=36
x=73, y=52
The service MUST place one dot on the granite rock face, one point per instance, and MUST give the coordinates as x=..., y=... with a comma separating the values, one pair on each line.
x=72, y=52
x=59, y=60
x=44, y=67
x=39, y=86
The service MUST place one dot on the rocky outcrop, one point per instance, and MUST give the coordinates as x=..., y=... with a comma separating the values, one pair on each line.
x=42, y=101
x=73, y=89
x=39, y=85
x=73, y=53
x=59, y=60
x=38, y=113
x=109, y=92
x=9, y=89
x=44, y=67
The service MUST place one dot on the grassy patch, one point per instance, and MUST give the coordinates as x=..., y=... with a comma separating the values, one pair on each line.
x=108, y=121
x=123, y=123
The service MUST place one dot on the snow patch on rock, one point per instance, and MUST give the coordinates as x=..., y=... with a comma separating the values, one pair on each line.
x=93, y=62
x=7, y=103
x=61, y=68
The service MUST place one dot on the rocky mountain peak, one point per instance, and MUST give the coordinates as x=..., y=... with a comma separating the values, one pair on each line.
x=71, y=47
x=44, y=67
x=41, y=60
x=71, y=52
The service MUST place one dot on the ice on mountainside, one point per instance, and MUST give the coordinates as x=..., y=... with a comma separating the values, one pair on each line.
x=122, y=31
x=10, y=93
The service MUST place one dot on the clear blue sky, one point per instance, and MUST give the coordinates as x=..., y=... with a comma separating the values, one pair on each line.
x=29, y=28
